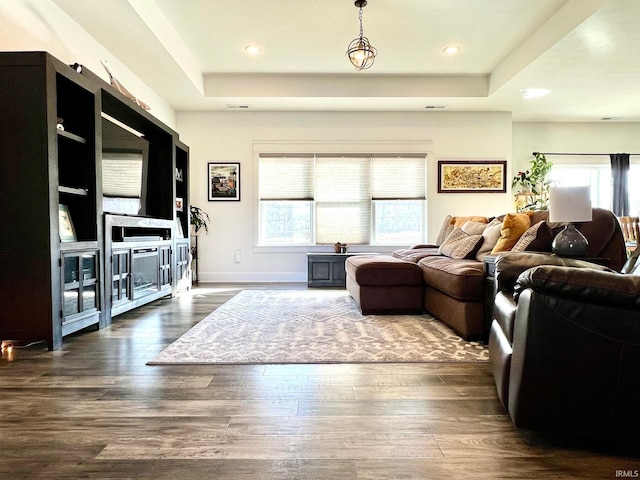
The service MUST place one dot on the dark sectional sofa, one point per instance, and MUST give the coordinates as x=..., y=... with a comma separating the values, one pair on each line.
x=433, y=278
x=564, y=347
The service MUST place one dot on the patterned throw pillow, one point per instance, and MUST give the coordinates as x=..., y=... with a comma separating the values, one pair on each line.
x=445, y=230
x=538, y=238
x=460, y=244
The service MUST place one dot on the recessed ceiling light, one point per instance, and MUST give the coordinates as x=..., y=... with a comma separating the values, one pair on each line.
x=451, y=50
x=253, y=49
x=528, y=93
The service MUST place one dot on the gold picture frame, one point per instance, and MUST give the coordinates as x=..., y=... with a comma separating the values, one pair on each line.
x=472, y=176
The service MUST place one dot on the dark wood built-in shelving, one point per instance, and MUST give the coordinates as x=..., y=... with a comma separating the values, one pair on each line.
x=53, y=168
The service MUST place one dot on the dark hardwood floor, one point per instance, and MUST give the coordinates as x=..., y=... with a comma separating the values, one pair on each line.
x=95, y=410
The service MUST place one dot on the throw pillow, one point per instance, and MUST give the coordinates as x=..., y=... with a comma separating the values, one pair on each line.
x=445, y=230
x=537, y=238
x=460, y=244
x=513, y=227
x=490, y=236
x=459, y=221
x=474, y=228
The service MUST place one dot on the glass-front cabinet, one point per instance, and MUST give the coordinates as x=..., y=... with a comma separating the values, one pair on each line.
x=182, y=270
x=81, y=289
x=120, y=276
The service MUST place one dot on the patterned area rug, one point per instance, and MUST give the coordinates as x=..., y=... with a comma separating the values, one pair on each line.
x=314, y=326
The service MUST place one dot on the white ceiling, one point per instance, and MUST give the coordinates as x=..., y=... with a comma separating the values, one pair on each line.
x=587, y=52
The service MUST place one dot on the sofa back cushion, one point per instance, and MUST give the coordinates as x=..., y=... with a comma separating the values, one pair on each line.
x=605, y=237
x=460, y=221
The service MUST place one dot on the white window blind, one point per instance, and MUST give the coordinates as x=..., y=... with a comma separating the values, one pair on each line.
x=398, y=177
x=343, y=200
x=286, y=178
x=122, y=174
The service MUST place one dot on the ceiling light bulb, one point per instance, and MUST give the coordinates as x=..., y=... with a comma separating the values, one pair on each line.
x=253, y=49
x=451, y=50
x=529, y=93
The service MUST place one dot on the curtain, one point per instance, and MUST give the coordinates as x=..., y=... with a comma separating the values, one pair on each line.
x=620, y=177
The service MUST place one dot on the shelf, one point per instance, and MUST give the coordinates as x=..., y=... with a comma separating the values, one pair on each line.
x=81, y=192
x=78, y=246
x=71, y=136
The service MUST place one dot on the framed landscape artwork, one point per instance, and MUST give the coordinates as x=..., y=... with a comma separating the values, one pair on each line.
x=467, y=176
x=224, y=181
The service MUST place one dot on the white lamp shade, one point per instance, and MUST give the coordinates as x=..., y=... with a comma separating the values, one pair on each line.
x=570, y=204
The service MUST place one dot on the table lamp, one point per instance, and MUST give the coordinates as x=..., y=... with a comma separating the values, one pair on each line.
x=570, y=204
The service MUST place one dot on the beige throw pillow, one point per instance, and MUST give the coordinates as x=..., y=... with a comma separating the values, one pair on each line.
x=490, y=236
x=474, y=228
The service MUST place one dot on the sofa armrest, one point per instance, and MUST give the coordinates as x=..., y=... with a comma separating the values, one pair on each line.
x=583, y=285
x=509, y=266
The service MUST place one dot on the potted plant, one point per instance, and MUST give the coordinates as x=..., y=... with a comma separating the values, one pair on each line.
x=199, y=219
x=533, y=185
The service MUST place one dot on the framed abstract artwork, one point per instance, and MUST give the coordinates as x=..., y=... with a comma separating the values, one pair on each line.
x=223, y=181
x=469, y=176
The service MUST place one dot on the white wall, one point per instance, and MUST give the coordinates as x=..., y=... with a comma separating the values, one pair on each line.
x=37, y=25
x=597, y=137
x=230, y=136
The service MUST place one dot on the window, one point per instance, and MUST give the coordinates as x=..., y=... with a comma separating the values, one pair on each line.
x=353, y=199
x=598, y=175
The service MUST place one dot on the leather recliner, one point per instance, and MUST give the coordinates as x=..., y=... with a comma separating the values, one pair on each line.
x=565, y=346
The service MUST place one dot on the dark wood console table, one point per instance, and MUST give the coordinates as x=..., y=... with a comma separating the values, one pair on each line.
x=327, y=269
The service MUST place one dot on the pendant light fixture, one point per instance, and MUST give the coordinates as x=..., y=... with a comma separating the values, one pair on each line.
x=360, y=52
